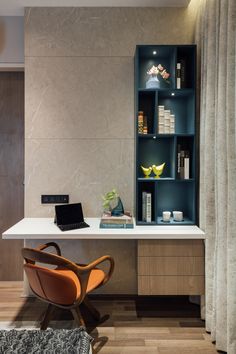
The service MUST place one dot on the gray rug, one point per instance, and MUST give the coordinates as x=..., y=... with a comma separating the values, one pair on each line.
x=59, y=341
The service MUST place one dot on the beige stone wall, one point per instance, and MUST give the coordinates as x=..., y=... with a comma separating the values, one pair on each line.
x=79, y=111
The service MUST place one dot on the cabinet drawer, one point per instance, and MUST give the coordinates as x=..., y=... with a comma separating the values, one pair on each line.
x=168, y=248
x=170, y=285
x=170, y=266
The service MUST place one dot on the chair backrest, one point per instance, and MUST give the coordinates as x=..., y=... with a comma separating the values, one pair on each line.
x=60, y=285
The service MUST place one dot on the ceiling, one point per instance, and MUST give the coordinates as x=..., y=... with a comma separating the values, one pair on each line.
x=15, y=7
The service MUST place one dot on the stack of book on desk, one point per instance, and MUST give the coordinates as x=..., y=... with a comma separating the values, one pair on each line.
x=116, y=222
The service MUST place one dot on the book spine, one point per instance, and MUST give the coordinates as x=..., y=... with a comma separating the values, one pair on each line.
x=186, y=165
x=178, y=76
x=178, y=161
x=144, y=196
x=182, y=155
x=149, y=207
x=182, y=74
x=116, y=226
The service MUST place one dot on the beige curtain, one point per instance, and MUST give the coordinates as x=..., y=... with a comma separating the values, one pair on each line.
x=216, y=39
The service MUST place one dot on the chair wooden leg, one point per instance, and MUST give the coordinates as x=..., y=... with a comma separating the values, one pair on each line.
x=47, y=317
x=92, y=309
x=77, y=316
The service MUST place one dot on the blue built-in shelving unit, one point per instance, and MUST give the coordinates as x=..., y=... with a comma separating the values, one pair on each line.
x=168, y=192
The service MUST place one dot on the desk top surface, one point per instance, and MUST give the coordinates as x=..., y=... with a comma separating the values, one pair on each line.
x=44, y=228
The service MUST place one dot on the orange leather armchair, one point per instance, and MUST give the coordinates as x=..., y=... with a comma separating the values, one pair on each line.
x=68, y=284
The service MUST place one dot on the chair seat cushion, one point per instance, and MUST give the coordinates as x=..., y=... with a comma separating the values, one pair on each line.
x=60, y=286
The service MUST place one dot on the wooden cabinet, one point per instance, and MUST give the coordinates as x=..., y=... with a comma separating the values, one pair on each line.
x=171, y=267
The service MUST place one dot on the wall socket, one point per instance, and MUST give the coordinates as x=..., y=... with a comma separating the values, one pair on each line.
x=55, y=199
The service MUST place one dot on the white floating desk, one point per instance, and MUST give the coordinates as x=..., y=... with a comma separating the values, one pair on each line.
x=175, y=274
x=44, y=228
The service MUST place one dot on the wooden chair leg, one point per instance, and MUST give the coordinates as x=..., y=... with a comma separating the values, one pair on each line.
x=46, y=317
x=77, y=316
x=91, y=308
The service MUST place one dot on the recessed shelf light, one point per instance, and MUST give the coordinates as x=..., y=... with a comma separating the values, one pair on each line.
x=154, y=52
x=172, y=94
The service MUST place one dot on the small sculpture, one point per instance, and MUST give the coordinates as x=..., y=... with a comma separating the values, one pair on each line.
x=146, y=171
x=158, y=169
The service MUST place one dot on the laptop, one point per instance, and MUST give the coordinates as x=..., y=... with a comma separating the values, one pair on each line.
x=70, y=217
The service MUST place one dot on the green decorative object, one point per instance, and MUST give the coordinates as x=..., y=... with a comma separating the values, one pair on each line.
x=119, y=209
x=146, y=171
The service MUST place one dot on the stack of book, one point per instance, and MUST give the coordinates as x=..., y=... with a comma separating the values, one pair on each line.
x=183, y=163
x=142, y=123
x=180, y=74
x=116, y=222
x=146, y=206
x=166, y=121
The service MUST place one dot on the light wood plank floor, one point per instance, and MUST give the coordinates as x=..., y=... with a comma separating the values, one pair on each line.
x=120, y=331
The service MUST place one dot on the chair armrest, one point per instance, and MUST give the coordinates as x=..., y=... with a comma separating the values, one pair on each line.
x=50, y=244
x=98, y=261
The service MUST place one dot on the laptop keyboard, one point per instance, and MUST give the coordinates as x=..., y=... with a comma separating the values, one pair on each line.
x=78, y=225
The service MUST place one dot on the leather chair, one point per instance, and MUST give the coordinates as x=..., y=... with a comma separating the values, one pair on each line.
x=67, y=285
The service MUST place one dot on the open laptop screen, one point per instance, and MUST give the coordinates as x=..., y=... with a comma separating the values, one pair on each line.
x=69, y=214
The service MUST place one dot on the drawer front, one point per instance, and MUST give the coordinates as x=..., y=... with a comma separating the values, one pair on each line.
x=171, y=285
x=168, y=248
x=170, y=266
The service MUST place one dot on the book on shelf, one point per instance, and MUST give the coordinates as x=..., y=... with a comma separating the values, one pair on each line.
x=178, y=75
x=166, y=121
x=140, y=122
x=186, y=165
x=183, y=163
x=181, y=74
x=146, y=206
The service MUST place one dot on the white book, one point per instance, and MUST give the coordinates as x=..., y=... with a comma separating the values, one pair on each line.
x=149, y=207
x=172, y=118
x=144, y=204
x=186, y=168
x=167, y=130
x=178, y=74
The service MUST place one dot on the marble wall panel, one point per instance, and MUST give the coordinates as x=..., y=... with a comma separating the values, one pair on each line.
x=79, y=114
x=103, y=31
x=83, y=168
x=79, y=97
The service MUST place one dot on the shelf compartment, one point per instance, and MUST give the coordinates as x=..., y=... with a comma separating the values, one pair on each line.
x=165, y=55
x=172, y=196
x=147, y=104
x=186, y=221
x=186, y=57
x=186, y=143
x=148, y=187
x=181, y=103
x=155, y=152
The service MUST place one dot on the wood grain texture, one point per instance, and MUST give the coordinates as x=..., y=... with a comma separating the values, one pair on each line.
x=169, y=248
x=170, y=285
x=171, y=266
x=11, y=170
x=120, y=332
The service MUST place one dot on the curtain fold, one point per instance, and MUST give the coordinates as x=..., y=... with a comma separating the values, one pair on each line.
x=216, y=40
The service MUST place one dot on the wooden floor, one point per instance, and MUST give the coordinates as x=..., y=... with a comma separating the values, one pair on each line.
x=120, y=329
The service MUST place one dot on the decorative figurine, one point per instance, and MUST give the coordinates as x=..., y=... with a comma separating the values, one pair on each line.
x=146, y=171
x=158, y=169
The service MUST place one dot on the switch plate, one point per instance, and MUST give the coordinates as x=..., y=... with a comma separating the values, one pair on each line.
x=55, y=199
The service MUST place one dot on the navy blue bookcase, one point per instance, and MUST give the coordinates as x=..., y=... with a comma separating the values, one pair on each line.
x=168, y=192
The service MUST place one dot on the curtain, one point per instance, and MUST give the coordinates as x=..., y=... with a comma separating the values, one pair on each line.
x=216, y=40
